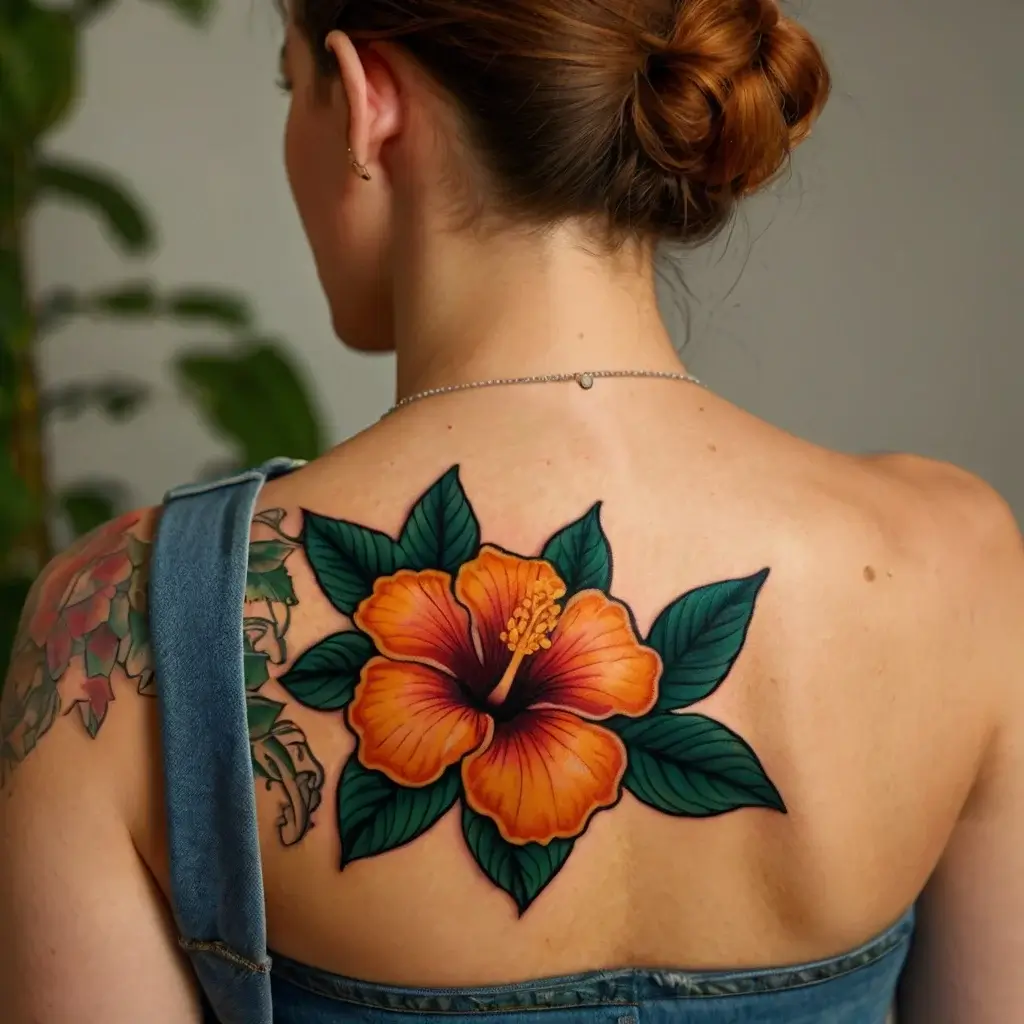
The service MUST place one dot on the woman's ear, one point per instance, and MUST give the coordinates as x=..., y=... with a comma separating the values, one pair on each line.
x=365, y=94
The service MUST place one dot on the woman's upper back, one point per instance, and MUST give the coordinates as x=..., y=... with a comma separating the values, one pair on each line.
x=864, y=689
x=846, y=685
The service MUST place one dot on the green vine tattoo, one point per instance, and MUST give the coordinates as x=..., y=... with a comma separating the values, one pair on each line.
x=281, y=755
x=88, y=608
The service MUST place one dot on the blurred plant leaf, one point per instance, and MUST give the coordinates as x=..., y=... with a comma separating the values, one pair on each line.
x=18, y=508
x=8, y=187
x=119, y=399
x=195, y=11
x=136, y=299
x=15, y=317
x=38, y=70
x=15, y=183
x=140, y=299
x=8, y=389
x=85, y=10
x=125, y=219
x=14, y=9
x=13, y=595
x=90, y=505
x=54, y=308
x=209, y=305
x=254, y=398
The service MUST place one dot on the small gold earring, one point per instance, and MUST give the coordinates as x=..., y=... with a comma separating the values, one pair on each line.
x=359, y=168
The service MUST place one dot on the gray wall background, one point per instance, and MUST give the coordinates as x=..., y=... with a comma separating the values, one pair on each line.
x=871, y=301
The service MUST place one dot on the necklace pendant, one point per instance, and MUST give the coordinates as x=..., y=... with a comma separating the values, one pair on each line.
x=584, y=380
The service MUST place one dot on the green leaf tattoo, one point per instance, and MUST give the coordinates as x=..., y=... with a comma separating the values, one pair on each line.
x=581, y=554
x=521, y=871
x=255, y=665
x=325, y=677
x=442, y=531
x=271, y=585
x=283, y=759
x=692, y=766
x=267, y=555
x=699, y=638
x=376, y=815
x=347, y=559
x=261, y=715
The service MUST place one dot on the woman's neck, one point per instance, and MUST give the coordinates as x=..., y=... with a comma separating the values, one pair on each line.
x=469, y=309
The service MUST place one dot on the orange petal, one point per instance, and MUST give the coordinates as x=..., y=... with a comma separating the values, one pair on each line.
x=543, y=776
x=412, y=721
x=595, y=666
x=413, y=616
x=491, y=586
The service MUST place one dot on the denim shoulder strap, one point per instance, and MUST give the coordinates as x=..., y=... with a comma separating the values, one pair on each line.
x=196, y=595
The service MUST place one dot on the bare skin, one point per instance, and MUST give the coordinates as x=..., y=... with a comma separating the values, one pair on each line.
x=881, y=683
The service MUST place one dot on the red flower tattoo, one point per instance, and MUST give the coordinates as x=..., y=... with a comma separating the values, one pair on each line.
x=87, y=612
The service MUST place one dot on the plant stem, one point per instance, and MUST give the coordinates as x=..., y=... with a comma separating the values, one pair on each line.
x=29, y=455
x=28, y=452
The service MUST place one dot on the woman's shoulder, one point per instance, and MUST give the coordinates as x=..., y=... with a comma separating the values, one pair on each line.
x=83, y=634
x=953, y=580
x=956, y=489
x=941, y=509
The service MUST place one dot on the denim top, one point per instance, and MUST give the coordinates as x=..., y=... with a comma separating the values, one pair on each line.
x=196, y=599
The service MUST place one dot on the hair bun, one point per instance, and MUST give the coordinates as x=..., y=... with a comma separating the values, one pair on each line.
x=652, y=116
x=723, y=99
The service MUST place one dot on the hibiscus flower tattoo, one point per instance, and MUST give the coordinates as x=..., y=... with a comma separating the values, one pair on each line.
x=520, y=715
x=516, y=687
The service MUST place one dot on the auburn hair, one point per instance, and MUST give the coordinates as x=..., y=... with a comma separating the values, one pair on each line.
x=654, y=115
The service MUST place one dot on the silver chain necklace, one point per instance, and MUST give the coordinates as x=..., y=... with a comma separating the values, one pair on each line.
x=585, y=380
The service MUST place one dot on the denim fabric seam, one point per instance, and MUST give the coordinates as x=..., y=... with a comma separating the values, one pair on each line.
x=659, y=984
x=269, y=470
x=207, y=487
x=840, y=972
x=354, y=1000
x=826, y=971
x=225, y=952
x=289, y=970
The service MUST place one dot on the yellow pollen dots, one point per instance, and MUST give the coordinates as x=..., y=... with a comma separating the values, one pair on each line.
x=527, y=631
x=535, y=618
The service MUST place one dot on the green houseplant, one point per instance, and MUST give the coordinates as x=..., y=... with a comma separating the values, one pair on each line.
x=38, y=85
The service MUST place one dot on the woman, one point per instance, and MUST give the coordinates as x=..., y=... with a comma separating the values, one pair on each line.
x=495, y=778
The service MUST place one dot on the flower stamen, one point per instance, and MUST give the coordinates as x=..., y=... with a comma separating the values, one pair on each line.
x=528, y=630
